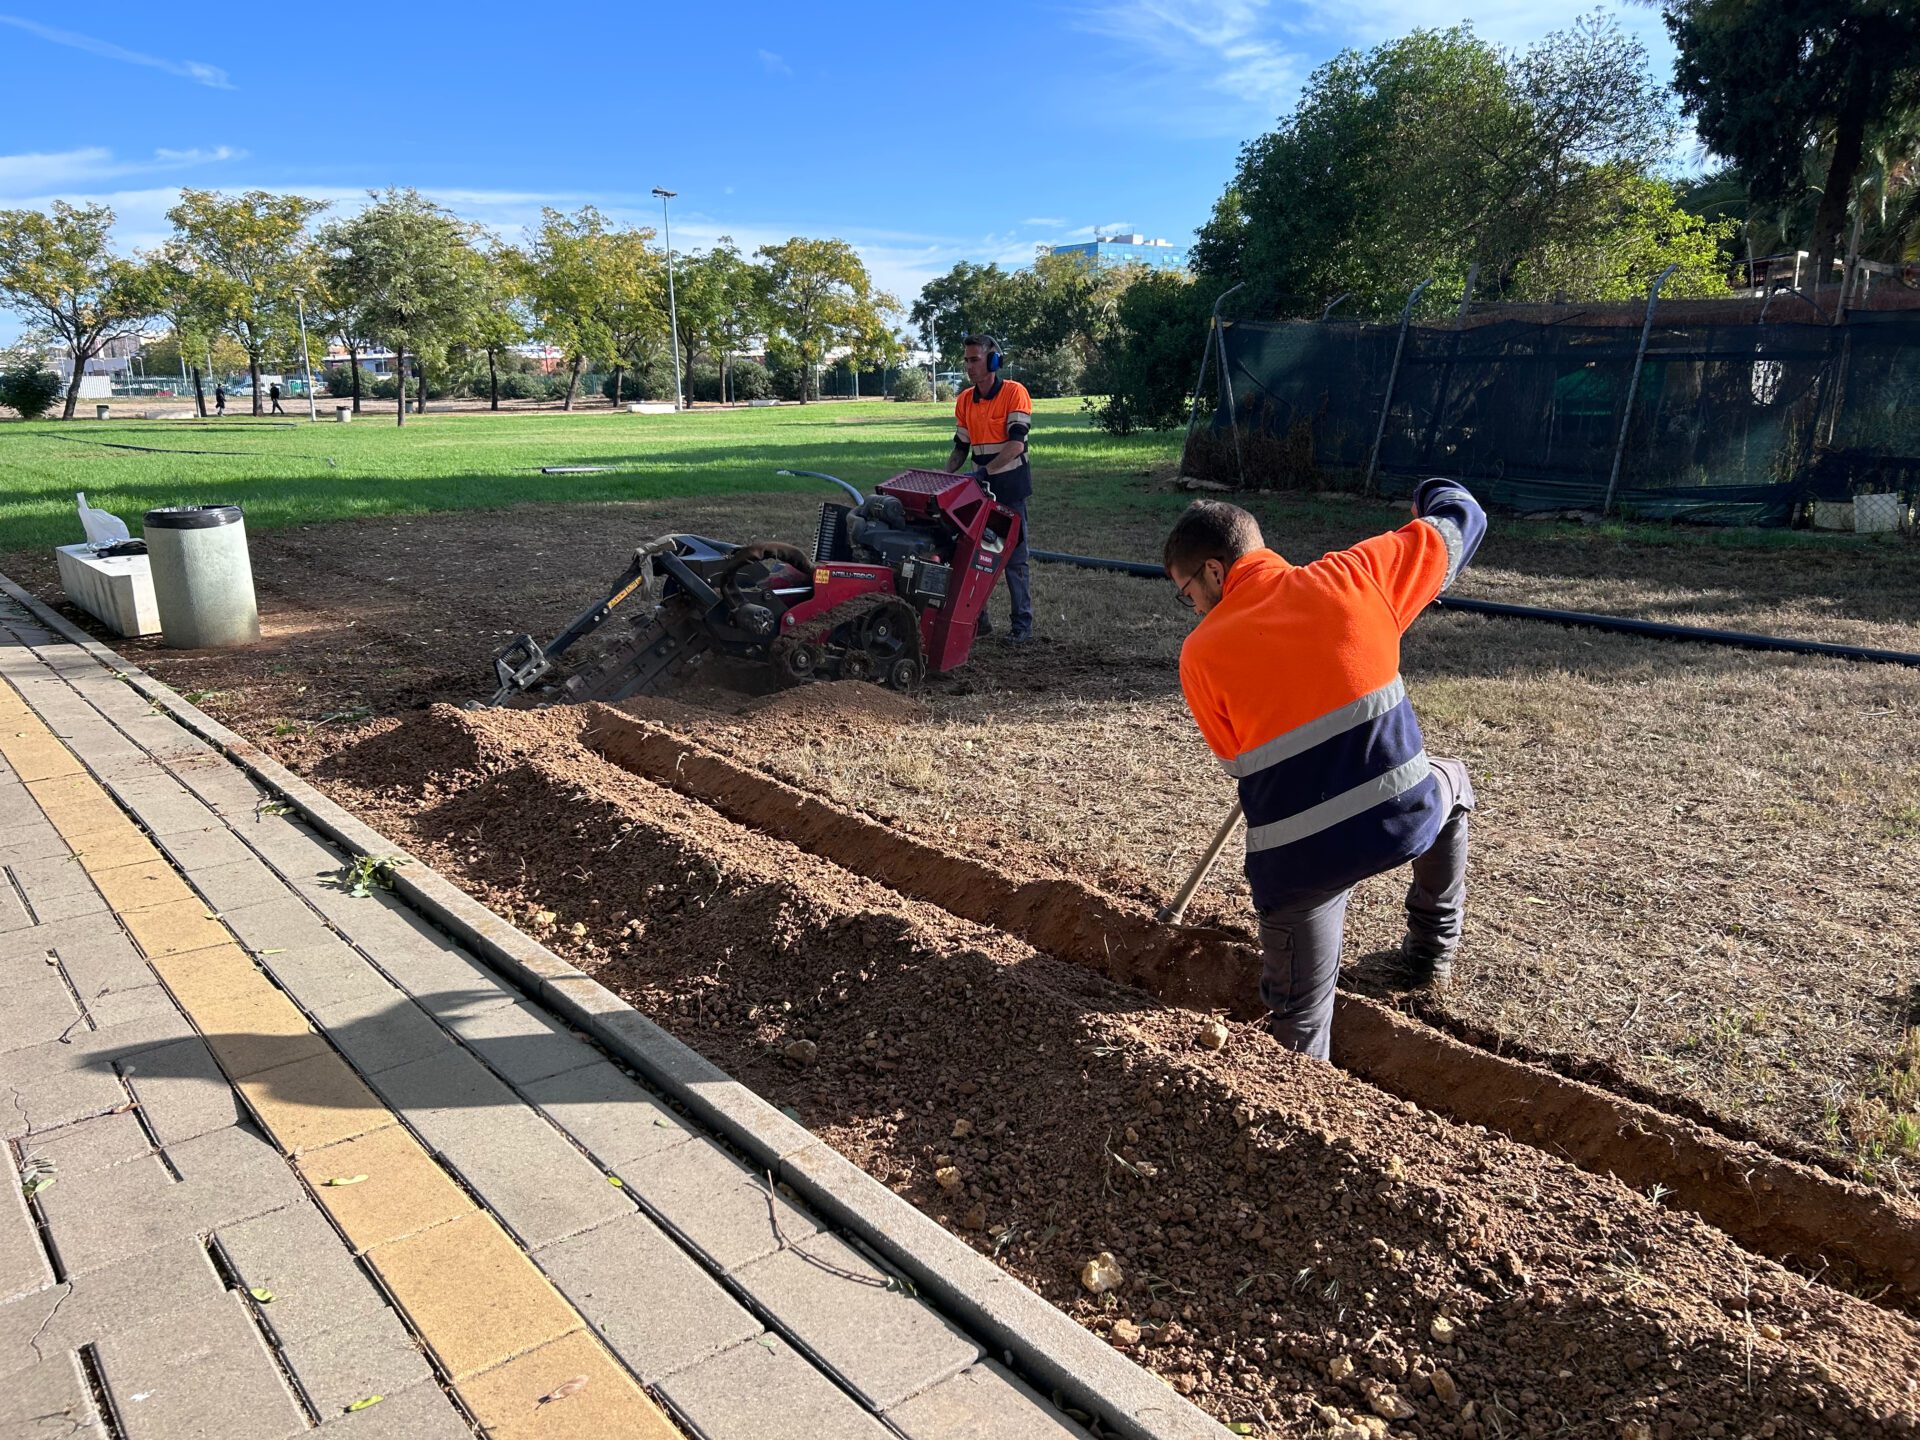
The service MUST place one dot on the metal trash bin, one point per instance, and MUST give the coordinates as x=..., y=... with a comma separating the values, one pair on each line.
x=202, y=577
x=101, y=412
x=342, y=414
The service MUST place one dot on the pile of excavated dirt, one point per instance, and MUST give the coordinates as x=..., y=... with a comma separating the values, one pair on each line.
x=1296, y=1246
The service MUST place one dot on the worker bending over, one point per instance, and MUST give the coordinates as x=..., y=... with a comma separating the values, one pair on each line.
x=1293, y=676
x=992, y=418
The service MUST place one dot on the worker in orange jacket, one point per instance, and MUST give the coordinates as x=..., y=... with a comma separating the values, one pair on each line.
x=992, y=418
x=1293, y=676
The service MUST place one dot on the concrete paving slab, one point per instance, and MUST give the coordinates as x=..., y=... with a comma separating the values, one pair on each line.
x=195, y=850
x=68, y=907
x=143, y=885
x=279, y=923
x=51, y=877
x=718, y=1207
x=161, y=805
x=420, y=1412
x=204, y=980
x=856, y=1320
x=519, y=1400
x=206, y=1374
x=168, y=1280
x=103, y=848
x=519, y=1043
x=314, y=1102
x=58, y=1099
x=118, y=1007
x=395, y=1188
x=296, y=1255
x=100, y=962
x=321, y=971
x=90, y=1145
x=762, y=1390
x=369, y=1355
x=446, y=1084
x=525, y=1171
x=37, y=1005
x=609, y=1112
x=182, y=1091
x=14, y=914
x=235, y=884
x=51, y=1398
x=290, y=848
x=248, y=1036
x=96, y=1219
x=982, y=1403
x=175, y=928
x=93, y=1049
x=658, y=1309
x=23, y=1263
x=381, y=1029
x=471, y=1294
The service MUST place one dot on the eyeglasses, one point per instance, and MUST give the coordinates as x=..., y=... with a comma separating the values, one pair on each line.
x=1181, y=590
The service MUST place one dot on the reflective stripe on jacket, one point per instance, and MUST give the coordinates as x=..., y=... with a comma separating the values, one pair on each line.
x=1294, y=680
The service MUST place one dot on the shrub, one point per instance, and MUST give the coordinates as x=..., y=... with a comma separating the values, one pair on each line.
x=910, y=384
x=944, y=390
x=384, y=387
x=751, y=381
x=1057, y=370
x=340, y=382
x=526, y=385
x=29, y=388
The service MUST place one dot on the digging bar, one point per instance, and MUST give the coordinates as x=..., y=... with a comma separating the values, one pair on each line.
x=1175, y=912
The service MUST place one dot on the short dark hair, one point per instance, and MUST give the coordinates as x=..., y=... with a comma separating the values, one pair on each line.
x=1210, y=530
x=985, y=342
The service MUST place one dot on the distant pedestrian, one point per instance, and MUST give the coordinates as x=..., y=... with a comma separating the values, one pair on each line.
x=273, y=394
x=219, y=401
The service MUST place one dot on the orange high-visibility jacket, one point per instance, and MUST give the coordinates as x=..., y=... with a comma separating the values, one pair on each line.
x=1294, y=680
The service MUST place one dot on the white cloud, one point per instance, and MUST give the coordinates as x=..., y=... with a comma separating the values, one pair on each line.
x=197, y=71
x=1044, y=223
x=42, y=174
x=1203, y=66
x=773, y=64
x=899, y=261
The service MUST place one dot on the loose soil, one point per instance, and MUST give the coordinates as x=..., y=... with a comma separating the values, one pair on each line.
x=1693, y=867
x=1692, y=877
x=1291, y=1238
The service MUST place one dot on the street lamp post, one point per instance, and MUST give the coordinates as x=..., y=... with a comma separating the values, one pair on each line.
x=673, y=312
x=306, y=360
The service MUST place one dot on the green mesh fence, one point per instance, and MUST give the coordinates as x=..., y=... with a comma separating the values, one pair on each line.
x=1737, y=423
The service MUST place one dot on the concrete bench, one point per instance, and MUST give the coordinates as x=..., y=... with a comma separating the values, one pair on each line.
x=118, y=591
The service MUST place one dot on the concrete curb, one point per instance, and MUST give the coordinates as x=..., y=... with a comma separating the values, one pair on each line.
x=1024, y=1330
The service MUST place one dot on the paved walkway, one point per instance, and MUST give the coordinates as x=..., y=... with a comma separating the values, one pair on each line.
x=291, y=1158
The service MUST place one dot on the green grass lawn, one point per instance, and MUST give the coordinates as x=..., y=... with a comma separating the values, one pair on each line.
x=288, y=473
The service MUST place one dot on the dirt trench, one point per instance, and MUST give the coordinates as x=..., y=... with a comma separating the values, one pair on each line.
x=1292, y=1237
x=1791, y=1212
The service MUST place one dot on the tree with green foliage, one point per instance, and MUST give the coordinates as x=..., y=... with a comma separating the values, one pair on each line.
x=57, y=270
x=1441, y=156
x=969, y=299
x=251, y=253
x=566, y=288
x=192, y=306
x=633, y=300
x=496, y=323
x=818, y=295
x=1160, y=324
x=1771, y=85
x=1637, y=229
x=414, y=275
x=720, y=303
x=27, y=386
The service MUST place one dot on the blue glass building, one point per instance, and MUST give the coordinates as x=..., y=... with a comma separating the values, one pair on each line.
x=1111, y=250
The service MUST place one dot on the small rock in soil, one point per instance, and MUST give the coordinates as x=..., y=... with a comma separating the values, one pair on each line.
x=1444, y=1390
x=1389, y=1404
x=1125, y=1333
x=801, y=1052
x=1443, y=1330
x=947, y=1177
x=1102, y=1273
x=1339, y=1367
x=962, y=1129
x=1211, y=1035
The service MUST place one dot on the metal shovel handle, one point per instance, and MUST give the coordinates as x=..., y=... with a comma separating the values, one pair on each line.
x=1176, y=910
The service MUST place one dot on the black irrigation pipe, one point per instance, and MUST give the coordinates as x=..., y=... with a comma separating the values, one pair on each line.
x=1616, y=624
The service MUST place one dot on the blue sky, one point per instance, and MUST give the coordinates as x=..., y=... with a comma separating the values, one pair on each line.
x=922, y=135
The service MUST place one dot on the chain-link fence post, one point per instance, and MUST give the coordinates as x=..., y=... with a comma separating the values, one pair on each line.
x=1393, y=374
x=1633, y=386
x=1206, y=353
